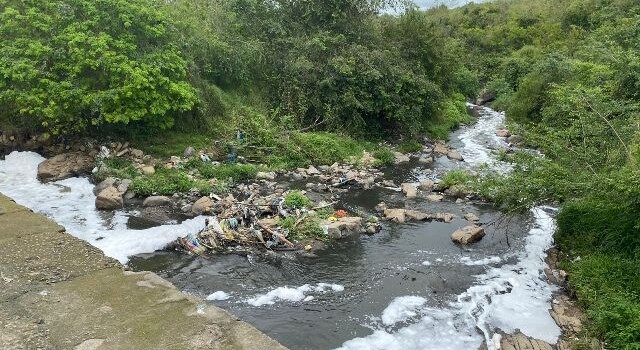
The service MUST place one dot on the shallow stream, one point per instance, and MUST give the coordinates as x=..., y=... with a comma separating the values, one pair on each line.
x=407, y=287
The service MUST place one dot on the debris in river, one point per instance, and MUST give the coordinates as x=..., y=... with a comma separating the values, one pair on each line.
x=271, y=223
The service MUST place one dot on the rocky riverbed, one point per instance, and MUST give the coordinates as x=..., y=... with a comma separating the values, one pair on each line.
x=446, y=270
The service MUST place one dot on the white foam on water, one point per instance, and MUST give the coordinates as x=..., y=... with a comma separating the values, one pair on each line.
x=71, y=203
x=480, y=141
x=219, y=295
x=485, y=261
x=294, y=294
x=510, y=297
x=401, y=309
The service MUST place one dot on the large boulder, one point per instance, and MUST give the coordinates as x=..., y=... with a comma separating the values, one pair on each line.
x=426, y=185
x=417, y=215
x=64, y=166
x=455, y=155
x=468, y=234
x=397, y=215
x=109, y=199
x=399, y=158
x=108, y=182
x=344, y=226
x=440, y=148
x=202, y=206
x=156, y=201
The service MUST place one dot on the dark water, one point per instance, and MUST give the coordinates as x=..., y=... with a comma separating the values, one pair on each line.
x=373, y=269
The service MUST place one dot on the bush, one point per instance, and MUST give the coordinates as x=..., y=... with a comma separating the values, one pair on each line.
x=296, y=200
x=69, y=65
x=383, y=156
x=167, y=182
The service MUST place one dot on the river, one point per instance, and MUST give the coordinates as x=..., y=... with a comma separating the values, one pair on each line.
x=407, y=287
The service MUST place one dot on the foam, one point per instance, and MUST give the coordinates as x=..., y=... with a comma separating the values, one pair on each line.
x=485, y=261
x=295, y=294
x=219, y=295
x=401, y=309
x=508, y=297
x=71, y=203
x=480, y=141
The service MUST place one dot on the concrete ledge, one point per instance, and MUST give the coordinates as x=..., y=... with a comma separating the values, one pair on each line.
x=58, y=292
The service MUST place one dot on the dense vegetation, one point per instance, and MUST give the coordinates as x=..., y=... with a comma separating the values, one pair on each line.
x=312, y=82
x=568, y=75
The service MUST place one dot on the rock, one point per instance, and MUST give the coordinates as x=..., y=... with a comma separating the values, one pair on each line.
x=136, y=153
x=567, y=314
x=382, y=206
x=519, y=341
x=367, y=159
x=515, y=140
x=435, y=198
x=108, y=182
x=468, y=234
x=124, y=185
x=409, y=190
x=485, y=97
x=156, y=201
x=308, y=247
x=455, y=155
x=64, y=166
x=148, y=170
x=471, y=217
x=426, y=185
x=324, y=168
x=425, y=159
x=344, y=226
x=440, y=148
x=444, y=217
x=189, y=152
x=396, y=215
x=312, y=171
x=503, y=133
x=202, y=206
x=416, y=215
x=262, y=175
x=351, y=174
x=109, y=199
x=400, y=158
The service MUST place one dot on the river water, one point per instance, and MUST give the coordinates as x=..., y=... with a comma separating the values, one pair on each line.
x=407, y=287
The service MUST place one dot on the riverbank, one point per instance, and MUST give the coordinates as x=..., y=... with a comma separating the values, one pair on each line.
x=59, y=292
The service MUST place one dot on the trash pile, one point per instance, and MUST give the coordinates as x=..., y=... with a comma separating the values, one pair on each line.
x=257, y=224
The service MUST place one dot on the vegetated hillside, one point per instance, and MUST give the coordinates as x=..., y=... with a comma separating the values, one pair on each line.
x=214, y=66
x=568, y=75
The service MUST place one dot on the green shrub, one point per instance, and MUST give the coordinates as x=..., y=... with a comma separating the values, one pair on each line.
x=409, y=146
x=295, y=199
x=383, y=156
x=167, y=182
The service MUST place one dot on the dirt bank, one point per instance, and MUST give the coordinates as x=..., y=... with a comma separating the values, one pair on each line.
x=58, y=292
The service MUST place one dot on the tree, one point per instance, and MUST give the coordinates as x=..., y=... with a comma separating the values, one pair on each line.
x=70, y=64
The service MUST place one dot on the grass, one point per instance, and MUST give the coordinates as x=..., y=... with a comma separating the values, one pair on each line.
x=409, y=146
x=235, y=171
x=308, y=227
x=383, y=157
x=166, y=182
